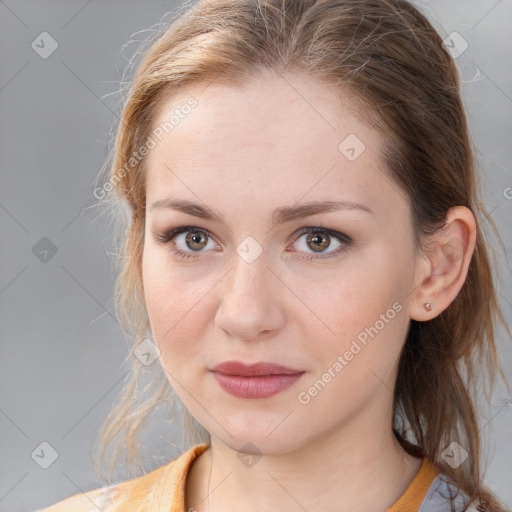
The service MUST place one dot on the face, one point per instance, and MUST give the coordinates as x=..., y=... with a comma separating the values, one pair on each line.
x=330, y=303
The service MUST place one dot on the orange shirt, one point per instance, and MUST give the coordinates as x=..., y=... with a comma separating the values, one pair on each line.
x=412, y=498
x=163, y=490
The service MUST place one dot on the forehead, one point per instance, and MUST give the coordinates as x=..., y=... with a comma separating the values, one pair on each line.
x=279, y=111
x=277, y=140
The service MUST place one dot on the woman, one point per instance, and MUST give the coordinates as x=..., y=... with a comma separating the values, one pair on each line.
x=303, y=255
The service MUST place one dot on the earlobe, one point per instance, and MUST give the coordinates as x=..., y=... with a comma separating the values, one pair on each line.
x=429, y=311
x=450, y=252
x=423, y=310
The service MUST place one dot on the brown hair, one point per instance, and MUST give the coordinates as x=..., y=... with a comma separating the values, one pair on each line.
x=389, y=55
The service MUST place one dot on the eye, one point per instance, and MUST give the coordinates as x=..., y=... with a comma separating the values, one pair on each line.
x=319, y=239
x=194, y=239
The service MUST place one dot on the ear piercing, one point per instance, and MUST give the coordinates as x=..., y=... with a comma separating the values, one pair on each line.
x=427, y=306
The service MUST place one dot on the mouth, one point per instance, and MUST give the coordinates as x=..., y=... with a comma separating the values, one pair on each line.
x=254, y=370
x=260, y=380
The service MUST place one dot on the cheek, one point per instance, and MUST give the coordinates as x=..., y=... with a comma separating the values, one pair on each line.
x=176, y=303
x=360, y=313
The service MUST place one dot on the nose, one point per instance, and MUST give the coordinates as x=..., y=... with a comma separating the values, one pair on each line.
x=251, y=305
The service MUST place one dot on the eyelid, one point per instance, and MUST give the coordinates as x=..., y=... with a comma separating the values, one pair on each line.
x=169, y=234
x=319, y=229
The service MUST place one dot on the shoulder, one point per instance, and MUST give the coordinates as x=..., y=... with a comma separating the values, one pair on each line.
x=162, y=484
x=444, y=496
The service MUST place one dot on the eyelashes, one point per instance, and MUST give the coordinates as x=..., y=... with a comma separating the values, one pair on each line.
x=170, y=235
x=318, y=235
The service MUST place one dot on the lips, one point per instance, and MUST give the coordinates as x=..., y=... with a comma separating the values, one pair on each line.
x=254, y=370
x=255, y=381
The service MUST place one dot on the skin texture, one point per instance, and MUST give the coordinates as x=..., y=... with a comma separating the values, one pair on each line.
x=244, y=153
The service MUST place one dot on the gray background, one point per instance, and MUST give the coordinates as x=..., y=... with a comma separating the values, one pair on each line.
x=61, y=347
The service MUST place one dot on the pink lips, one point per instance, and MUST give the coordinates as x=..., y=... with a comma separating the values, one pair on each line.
x=260, y=380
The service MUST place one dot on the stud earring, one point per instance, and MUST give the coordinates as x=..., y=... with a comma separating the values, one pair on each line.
x=427, y=306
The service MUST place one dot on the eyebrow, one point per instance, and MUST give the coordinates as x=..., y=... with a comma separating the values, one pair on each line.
x=280, y=215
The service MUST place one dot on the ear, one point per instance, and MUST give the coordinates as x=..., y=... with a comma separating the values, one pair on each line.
x=444, y=267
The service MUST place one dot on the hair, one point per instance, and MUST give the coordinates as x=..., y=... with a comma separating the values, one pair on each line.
x=402, y=80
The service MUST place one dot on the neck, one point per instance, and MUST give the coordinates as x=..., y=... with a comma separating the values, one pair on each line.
x=355, y=468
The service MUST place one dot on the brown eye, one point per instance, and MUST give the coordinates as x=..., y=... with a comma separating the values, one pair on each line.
x=190, y=242
x=186, y=241
x=196, y=240
x=319, y=241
